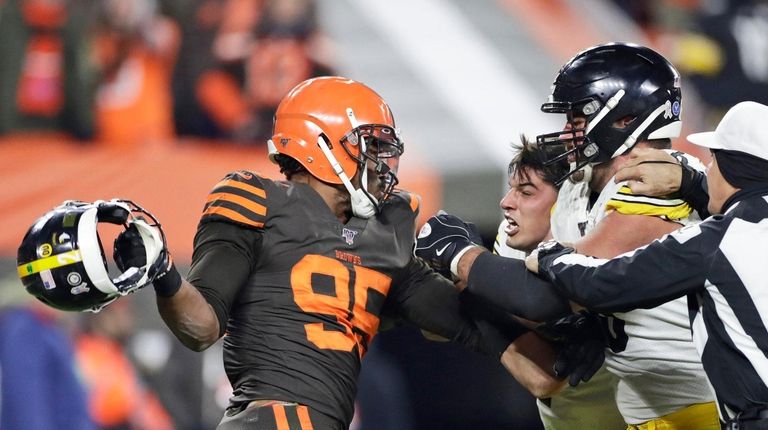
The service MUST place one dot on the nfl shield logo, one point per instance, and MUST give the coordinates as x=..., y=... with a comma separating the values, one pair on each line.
x=348, y=235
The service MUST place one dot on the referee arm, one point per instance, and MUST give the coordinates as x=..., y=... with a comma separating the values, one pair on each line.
x=508, y=284
x=645, y=278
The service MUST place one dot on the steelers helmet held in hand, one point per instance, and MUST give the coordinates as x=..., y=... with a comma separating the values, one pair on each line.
x=62, y=263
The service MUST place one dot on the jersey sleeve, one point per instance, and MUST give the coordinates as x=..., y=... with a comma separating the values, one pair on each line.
x=240, y=198
x=645, y=278
x=508, y=284
x=224, y=256
x=412, y=200
x=628, y=203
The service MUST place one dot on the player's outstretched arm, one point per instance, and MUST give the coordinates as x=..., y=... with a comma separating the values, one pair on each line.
x=644, y=278
x=184, y=310
x=445, y=243
x=190, y=317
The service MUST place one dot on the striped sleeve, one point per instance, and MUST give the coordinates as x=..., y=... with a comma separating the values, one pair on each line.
x=240, y=198
x=627, y=203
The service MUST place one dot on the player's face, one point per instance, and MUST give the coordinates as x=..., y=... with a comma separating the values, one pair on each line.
x=376, y=182
x=527, y=208
x=578, y=123
x=381, y=171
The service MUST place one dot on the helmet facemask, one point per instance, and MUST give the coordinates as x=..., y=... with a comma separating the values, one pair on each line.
x=378, y=144
x=571, y=146
x=625, y=93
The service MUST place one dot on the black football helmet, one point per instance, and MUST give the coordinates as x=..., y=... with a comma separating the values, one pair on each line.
x=61, y=260
x=608, y=85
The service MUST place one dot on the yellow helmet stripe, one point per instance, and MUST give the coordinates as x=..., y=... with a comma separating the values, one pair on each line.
x=52, y=262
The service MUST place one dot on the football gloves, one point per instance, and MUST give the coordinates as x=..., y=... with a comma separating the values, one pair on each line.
x=442, y=239
x=129, y=252
x=582, y=341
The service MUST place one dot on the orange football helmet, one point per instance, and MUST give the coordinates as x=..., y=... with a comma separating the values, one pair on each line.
x=332, y=126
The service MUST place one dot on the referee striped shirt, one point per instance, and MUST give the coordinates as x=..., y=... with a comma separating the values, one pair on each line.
x=722, y=265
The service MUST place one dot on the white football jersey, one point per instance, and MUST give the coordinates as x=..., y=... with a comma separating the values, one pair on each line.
x=652, y=352
x=590, y=405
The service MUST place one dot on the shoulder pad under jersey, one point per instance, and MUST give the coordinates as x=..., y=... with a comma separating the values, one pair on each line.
x=240, y=198
x=412, y=200
x=627, y=203
x=669, y=207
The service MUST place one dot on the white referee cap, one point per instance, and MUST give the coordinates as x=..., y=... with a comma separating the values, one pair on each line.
x=744, y=128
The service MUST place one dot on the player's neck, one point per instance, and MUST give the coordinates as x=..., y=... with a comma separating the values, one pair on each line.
x=336, y=197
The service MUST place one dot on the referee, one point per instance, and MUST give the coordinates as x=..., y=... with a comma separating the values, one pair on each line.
x=721, y=264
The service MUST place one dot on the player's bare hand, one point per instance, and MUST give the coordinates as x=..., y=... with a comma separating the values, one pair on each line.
x=651, y=172
x=540, y=260
x=532, y=261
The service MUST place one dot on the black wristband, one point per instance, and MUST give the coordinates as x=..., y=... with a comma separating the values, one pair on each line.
x=693, y=189
x=686, y=181
x=168, y=283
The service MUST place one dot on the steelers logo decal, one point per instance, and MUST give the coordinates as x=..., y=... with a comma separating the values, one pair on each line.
x=425, y=231
x=45, y=250
x=74, y=278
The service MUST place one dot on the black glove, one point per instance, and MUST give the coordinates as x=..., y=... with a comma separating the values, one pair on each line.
x=129, y=252
x=441, y=238
x=497, y=328
x=582, y=345
x=547, y=252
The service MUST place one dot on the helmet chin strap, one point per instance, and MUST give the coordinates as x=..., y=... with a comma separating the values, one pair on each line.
x=362, y=204
x=364, y=174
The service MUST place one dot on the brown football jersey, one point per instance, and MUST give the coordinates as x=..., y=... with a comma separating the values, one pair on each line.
x=298, y=328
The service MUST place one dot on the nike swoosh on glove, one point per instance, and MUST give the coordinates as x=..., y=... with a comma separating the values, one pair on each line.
x=442, y=238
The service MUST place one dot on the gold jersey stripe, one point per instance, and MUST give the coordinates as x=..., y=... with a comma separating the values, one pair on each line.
x=238, y=200
x=233, y=215
x=48, y=263
x=242, y=186
x=634, y=208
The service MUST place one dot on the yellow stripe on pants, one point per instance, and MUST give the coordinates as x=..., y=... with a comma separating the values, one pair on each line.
x=701, y=416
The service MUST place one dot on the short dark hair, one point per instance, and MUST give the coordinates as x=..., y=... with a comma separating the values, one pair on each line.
x=529, y=156
x=659, y=143
x=288, y=165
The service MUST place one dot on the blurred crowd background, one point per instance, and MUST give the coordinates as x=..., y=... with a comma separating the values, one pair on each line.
x=155, y=100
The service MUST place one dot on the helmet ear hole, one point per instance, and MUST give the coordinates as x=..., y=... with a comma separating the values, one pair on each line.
x=112, y=213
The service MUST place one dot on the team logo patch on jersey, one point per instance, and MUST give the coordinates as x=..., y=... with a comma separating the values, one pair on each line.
x=348, y=235
x=244, y=174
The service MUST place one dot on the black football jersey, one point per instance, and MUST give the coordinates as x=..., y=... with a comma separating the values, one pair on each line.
x=298, y=328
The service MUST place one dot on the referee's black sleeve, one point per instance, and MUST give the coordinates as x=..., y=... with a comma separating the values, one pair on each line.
x=508, y=284
x=648, y=277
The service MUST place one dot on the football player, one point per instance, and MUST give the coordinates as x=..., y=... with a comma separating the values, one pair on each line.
x=615, y=97
x=527, y=207
x=298, y=272
x=714, y=265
